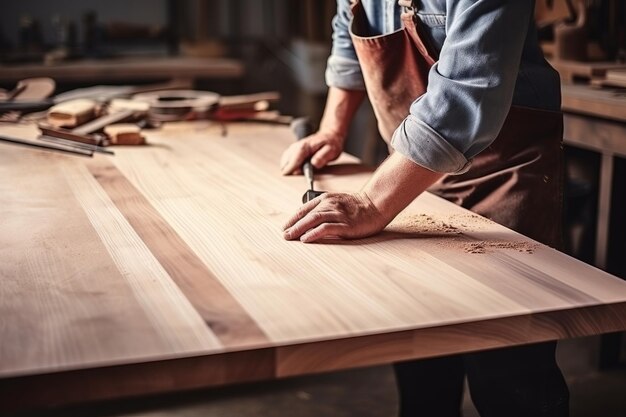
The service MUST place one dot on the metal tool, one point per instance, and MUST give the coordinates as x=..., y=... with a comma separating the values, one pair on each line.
x=77, y=145
x=95, y=139
x=302, y=128
x=46, y=146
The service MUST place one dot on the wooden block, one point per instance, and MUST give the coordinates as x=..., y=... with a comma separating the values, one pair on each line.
x=569, y=70
x=119, y=104
x=72, y=113
x=124, y=134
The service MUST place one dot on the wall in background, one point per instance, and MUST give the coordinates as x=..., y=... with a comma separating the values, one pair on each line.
x=151, y=12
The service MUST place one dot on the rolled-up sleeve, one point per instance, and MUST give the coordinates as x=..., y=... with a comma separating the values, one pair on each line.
x=343, y=69
x=470, y=88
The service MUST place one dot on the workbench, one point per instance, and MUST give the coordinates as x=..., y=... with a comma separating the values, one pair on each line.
x=164, y=268
x=181, y=69
x=595, y=119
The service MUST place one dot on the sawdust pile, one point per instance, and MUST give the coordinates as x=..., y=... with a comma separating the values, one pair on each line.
x=455, y=224
x=426, y=224
x=485, y=246
x=450, y=232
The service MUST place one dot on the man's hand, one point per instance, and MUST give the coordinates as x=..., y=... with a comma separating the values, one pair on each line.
x=325, y=145
x=396, y=183
x=335, y=215
x=321, y=147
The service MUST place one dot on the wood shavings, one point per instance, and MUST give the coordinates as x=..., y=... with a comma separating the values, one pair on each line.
x=470, y=221
x=486, y=246
x=424, y=223
x=452, y=233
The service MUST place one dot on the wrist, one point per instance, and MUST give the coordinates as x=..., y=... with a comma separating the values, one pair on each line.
x=396, y=183
x=381, y=212
x=333, y=134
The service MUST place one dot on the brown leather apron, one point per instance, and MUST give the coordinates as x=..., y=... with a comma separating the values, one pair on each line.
x=517, y=181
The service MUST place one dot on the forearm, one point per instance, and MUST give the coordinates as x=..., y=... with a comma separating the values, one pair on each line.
x=341, y=105
x=396, y=183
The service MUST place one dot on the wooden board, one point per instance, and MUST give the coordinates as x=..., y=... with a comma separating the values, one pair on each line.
x=569, y=70
x=603, y=103
x=164, y=268
x=127, y=69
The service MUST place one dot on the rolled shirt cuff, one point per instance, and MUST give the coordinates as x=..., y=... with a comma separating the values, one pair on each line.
x=423, y=145
x=345, y=73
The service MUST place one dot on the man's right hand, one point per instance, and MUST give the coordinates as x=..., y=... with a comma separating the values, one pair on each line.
x=321, y=147
x=327, y=144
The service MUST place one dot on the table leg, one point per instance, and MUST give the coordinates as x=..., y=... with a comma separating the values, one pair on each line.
x=604, y=210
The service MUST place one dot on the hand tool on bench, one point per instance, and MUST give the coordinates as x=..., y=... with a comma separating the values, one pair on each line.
x=65, y=137
x=54, y=132
x=120, y=109
x=302, y=128
x=46, y=146
x=74, y=144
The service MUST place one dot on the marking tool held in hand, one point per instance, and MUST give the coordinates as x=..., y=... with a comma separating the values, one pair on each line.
x=302, y=128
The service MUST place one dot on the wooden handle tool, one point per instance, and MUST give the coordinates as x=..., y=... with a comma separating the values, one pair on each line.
x=302, y=128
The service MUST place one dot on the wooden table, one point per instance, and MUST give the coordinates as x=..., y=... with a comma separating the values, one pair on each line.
x=595, y=119
x=127, y=69
x=164, y=268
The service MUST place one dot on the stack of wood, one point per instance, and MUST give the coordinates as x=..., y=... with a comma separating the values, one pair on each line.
x=83, y=120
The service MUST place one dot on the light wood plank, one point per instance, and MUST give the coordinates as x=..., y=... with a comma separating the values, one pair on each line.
x=174, y=251
x=210, y=178
x=73, y=294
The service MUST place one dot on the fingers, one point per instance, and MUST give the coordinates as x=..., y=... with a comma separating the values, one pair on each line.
x=318, y=219
x=302, y=211
x=324, y=231
x=293, y=158
x=316, y=225
x=322, y=157
x=319, y=147
x=311, y=221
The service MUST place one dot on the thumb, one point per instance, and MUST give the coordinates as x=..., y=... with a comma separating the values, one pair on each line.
x=294, y=157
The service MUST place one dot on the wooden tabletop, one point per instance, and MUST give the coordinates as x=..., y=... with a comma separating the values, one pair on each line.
x=92, y=70
x=164, y=267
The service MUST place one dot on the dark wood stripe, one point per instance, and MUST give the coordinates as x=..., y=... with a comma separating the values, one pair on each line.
x=219, y=309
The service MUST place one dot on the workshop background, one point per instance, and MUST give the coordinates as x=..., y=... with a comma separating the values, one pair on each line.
x=282, y=46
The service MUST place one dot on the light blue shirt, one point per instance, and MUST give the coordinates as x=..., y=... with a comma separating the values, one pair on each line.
x=489, y=58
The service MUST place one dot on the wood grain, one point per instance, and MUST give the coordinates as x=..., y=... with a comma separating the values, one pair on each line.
x=218, y=308
x=66, y=300
x=448, y=340
x=164, y=267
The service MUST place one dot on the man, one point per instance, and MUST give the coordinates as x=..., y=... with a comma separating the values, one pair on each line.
x=464, y=96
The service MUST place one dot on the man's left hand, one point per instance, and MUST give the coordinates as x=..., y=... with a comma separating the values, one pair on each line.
x=335, y=215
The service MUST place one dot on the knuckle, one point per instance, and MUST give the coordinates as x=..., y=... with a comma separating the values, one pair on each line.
x=317, y=217
x=302, y=211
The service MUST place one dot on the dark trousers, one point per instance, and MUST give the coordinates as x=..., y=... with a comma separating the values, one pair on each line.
x=522, y=381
